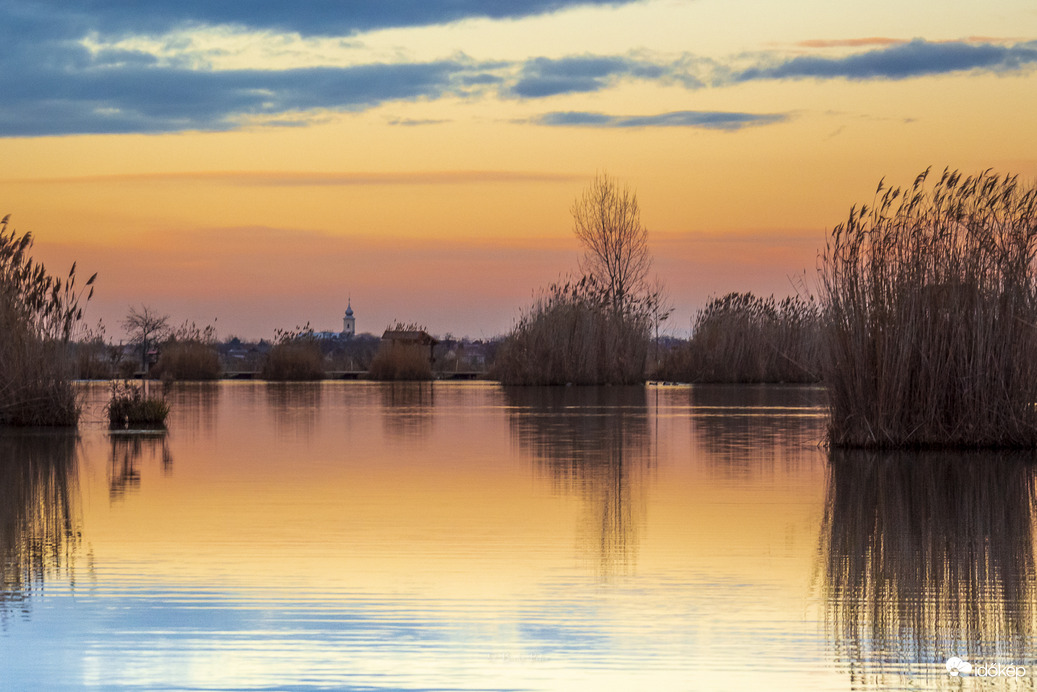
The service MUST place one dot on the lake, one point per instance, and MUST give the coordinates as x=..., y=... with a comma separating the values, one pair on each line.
x=465, y=536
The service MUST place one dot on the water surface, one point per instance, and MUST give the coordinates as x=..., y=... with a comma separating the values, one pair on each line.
x=351, y=535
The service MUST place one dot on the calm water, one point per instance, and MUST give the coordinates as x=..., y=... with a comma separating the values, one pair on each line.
x=469, y=537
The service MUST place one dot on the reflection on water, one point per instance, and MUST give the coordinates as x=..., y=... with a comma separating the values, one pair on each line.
x=594, y=442
x=295, y=407
x=359, y=535
x=127, y=452
x=925, y=556
x=193, y=407
x=39, y=523
x=407, y=409
x=753, y=429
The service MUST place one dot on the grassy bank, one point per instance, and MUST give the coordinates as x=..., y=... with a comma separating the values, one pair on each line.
x=930, y=309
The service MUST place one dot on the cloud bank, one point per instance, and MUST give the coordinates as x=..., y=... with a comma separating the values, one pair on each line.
x=79, y=68
x=710, y=120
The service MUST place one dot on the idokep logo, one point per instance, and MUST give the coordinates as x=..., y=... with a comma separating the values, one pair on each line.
x=957, y=667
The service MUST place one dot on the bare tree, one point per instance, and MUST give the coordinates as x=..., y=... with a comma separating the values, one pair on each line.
x=144, y=327
x=607, y=220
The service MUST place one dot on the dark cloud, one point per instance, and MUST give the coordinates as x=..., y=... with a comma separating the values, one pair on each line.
x=307, y=17
x=913, y=59
x=541, y=77
x=149, y=100
x=711, y=120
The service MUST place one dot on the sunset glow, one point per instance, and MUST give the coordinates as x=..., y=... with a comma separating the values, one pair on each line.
x=259, y=167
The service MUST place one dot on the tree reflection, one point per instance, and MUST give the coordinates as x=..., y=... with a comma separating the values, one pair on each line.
x=593, y=442
x=407, y=409
x=925, y=556
x=748, y=429
x=126, y=453
x=39, y=521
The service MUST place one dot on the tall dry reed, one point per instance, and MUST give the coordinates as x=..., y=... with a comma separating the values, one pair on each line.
x=740, y=337
x=38, y=314
x=189, y=354
x=401, y=362
x=574, y=334
x=296, y=357
x=930, y=305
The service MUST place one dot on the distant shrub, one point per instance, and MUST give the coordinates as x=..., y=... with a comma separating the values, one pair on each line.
x=930, y=306
x=401, y=362
x=188, y=360
x=38, y=314
x=740, y=337
x=128, y=407
x=575, y=333
x=296, y=357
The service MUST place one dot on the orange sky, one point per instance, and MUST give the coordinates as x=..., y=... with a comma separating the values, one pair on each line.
x=446, y=201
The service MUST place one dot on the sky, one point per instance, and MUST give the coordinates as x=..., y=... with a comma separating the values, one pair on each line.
x=257, y=165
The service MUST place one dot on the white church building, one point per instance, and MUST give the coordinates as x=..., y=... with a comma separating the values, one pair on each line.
x=348, y=326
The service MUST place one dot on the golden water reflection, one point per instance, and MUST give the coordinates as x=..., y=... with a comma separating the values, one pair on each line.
x=39, y=518
x=596, y=444
x=925, y=556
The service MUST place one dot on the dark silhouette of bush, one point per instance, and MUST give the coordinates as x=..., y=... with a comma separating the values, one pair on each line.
x=930, y=307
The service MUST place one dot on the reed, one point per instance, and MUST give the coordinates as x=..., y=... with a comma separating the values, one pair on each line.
x=296, y=357
x=188, y=360
x=574, y=334
x=401, y=362
x=130, y=407
x=930, y=309
x=740, y=337
x=38, y=315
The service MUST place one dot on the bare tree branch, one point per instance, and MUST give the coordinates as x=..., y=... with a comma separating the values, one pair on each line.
x=607, y=220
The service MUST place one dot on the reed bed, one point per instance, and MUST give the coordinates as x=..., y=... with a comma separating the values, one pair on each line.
x=575, y=334
x=401, y=362
x=188, y=360
x=743, y=338
x=930, y=308
x=296, y=357
x=130, y=407
x=38, y=315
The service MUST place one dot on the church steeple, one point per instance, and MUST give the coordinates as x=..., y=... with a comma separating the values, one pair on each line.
x=349, y=322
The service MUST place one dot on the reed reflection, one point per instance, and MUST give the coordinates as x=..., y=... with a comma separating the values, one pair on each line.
x=39, y=519
x=127, y=452
x=749, y=429
x=194, y=406
x=295, y=406
x=593, y=442
x=407, y=409
x=925, y=556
